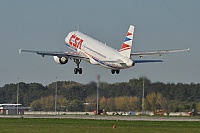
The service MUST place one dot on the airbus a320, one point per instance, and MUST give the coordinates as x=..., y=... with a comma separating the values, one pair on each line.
x=95, y=52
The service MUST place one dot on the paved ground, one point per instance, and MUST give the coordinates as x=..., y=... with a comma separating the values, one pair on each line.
x=127, y=118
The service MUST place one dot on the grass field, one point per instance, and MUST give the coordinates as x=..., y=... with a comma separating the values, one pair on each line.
x=42, y=125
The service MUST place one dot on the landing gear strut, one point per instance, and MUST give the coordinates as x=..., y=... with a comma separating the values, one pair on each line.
x=113, y=71
x=77, y=70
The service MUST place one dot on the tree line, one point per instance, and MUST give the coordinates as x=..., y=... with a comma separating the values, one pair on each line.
x=121, y=96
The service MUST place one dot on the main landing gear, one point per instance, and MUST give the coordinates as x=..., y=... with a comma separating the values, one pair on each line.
x=77, y=70
x=113, y=71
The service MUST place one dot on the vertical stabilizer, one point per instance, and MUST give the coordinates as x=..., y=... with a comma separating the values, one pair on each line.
x=127, y=44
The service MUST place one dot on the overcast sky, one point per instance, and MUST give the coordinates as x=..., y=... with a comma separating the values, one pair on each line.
x=43, y=25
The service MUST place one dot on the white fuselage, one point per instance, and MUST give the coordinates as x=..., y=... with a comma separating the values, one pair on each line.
x=97, y=52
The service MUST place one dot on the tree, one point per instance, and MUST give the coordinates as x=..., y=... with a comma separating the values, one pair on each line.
x=121, y=103
x=156, y=101
x=111, y=104
x=147, y=105
x=76, y=105
x=134, y=103
x=48, y=104
x=36, y=105
x=103, y=103
x=125, y=103
x=90, y=103
x=198, y=106
x=179, y=96
x=152, y=99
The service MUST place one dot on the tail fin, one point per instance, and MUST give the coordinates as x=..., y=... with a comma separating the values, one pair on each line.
x=127, y=44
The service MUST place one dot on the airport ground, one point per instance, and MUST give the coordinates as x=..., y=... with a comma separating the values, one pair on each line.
x=113, y=118
x=97, y=124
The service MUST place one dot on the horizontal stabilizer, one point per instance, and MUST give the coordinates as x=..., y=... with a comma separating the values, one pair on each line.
x=146, y=61
x=159, y=52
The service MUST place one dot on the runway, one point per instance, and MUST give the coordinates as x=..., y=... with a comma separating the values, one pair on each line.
x=97, y=117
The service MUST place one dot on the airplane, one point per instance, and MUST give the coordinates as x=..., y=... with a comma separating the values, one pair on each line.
x=95, y=52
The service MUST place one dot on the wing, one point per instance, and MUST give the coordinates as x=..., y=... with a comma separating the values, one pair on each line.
x=160, y=52
x=74, y=55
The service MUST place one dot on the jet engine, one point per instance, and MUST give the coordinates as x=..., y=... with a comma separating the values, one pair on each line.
x=60, y=60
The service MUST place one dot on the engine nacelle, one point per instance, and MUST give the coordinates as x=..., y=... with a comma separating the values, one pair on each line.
x=60, y=60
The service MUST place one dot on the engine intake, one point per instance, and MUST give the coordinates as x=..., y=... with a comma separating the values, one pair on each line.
x=60, y=60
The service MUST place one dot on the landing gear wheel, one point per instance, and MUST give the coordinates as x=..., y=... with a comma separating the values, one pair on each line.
x=75, y=70
x=78, y=70
x=113, y=71
x=117, y=71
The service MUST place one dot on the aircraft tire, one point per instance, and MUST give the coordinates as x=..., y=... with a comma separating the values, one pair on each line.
x=117, y=71
x=113, y=71
x=80, y=70
x=75, y=70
